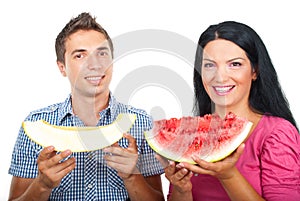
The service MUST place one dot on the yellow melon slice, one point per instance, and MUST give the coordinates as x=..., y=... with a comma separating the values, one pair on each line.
x=78, y=139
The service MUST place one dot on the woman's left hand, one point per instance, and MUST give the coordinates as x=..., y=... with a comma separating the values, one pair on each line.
x=223, y=169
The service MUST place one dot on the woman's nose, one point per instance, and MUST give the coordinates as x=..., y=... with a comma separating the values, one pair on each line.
x=221, y=74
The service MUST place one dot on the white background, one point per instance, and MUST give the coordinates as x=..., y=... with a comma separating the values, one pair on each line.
x=30, y=78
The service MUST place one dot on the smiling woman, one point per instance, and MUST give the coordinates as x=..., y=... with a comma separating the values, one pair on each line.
x=227, y=75
x=234, y=73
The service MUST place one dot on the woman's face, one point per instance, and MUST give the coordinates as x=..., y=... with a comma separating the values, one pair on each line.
x=227, y=75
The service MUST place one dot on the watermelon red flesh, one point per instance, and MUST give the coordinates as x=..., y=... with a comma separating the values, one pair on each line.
x=210, y=137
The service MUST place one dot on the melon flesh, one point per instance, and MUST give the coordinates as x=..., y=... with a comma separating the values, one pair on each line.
x=209, y=137
x=78, y=139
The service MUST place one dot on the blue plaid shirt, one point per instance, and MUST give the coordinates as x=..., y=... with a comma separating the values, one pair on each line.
x=91, y=179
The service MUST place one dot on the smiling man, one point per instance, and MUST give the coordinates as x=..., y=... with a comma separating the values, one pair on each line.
x=128, y=172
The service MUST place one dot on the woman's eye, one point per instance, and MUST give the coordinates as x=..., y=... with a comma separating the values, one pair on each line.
x=235, y=64
x=208, y=65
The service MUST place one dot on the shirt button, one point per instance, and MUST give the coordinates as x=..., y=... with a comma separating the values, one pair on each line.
x=90, y=186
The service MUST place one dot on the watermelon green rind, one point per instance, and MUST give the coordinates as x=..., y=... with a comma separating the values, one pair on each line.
x=229, y=148
x=162, y=151
x=212, y=156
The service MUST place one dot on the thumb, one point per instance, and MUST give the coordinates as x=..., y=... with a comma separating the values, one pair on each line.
x=131, y=141
x=239, y=150
x=163, y=161
x=46, y=153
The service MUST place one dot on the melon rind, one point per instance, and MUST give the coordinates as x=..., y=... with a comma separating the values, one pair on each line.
x=213, y=156
x=78, y=139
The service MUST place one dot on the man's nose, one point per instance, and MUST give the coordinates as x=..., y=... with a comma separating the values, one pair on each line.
x=94, y=62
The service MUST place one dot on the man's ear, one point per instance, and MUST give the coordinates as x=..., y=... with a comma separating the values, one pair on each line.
x=61, y=68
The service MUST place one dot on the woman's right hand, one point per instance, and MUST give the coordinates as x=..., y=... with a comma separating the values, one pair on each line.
x=179, y=177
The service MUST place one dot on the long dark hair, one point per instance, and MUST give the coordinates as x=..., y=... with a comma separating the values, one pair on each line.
x=266, y=95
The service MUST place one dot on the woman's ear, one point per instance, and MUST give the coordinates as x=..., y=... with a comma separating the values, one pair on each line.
x=254, y=74
x=61, y=68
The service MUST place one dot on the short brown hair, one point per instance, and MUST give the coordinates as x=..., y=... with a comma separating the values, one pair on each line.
x=83, y=21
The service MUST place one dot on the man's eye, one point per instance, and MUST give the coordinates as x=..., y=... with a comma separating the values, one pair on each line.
x=103, y=53
x=78, y=56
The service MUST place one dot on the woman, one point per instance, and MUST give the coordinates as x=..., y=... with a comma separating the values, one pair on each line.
x=234, y=73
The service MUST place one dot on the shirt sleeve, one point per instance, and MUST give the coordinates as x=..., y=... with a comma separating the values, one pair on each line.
x=148, y=165
x=280, y=162
x=24, y=156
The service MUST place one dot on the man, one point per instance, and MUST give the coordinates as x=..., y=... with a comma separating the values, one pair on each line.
x=128, y=172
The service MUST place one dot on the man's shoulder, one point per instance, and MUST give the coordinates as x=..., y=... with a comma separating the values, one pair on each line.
x=47, y=109
x=44, y=112
x=131, y=109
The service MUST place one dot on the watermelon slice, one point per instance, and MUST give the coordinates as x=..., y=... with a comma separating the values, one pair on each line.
x=209, y=137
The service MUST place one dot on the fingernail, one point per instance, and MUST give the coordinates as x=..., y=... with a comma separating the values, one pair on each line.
x=184, y=170
x=50, y=148
x=194, y=158
x=68, y=151
x=179, y=165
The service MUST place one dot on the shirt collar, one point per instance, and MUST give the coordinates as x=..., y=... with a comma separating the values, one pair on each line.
x=111, y=109
x=65, y=108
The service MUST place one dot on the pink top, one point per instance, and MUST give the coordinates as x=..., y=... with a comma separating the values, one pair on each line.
x=270, y=163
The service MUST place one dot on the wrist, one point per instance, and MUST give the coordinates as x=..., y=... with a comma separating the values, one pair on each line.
x=229, y=175
x=185, y=190
x=41, y=186
x=37, y=191
x=181, y=194
x=130, y=178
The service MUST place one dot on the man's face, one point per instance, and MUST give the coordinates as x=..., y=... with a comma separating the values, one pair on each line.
x=88, y=63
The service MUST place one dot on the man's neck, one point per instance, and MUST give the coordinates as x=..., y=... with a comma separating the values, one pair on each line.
x=88, y=108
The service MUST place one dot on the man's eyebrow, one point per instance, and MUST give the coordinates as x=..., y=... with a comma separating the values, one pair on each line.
x=102, y=48
x=77, y=50
x=83, y=50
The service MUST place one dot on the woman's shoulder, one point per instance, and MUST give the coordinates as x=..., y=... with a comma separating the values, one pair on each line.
x=272, y=130
x=276, y=131
x=273, y=124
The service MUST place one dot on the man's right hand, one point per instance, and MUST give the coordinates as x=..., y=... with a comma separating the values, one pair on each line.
x=52, y=168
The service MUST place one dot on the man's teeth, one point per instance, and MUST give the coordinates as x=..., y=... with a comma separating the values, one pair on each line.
x=93, y=78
